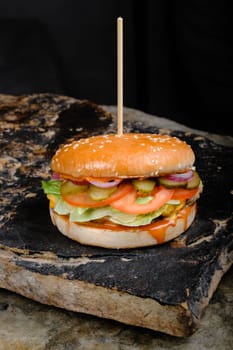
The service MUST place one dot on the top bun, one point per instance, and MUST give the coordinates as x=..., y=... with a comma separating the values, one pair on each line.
x=126, y=155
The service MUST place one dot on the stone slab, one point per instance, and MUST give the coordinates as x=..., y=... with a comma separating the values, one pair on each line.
x=165, y=288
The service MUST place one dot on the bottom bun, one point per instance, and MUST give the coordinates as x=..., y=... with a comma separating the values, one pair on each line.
x=115, y=236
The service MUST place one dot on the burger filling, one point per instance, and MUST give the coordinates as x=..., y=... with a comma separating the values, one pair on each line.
x=128, y=202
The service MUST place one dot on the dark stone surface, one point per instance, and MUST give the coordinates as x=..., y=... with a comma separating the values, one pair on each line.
x=183, y=270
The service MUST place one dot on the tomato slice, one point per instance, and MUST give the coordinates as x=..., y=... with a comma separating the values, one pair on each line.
x=182, y=193
x=127, y=204
x=83, y=199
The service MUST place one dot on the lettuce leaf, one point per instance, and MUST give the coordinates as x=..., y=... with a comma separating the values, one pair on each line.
x=88, y=214
x=134, y=220
x=52, y=187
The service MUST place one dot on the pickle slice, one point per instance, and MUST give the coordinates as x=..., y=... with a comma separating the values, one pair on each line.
x=69, y=187
x=194, y=182
x=144, y=185
x=99, y=193
x=164, y=181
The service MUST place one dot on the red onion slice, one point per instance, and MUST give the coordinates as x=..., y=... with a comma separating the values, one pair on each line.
x=105, y=184
x=188, y=175
x=56, y=176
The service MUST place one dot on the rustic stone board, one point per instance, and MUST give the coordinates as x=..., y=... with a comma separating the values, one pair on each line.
x=164, y=288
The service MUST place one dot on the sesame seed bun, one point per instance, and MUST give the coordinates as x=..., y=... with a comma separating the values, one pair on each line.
x=127, y=155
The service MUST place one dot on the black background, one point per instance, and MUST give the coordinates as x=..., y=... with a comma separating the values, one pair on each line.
x=178, y=56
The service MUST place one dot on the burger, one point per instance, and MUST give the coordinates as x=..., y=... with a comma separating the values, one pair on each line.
x=123, y=191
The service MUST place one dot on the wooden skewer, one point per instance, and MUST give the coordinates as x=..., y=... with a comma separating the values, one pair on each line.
x=119, y=75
